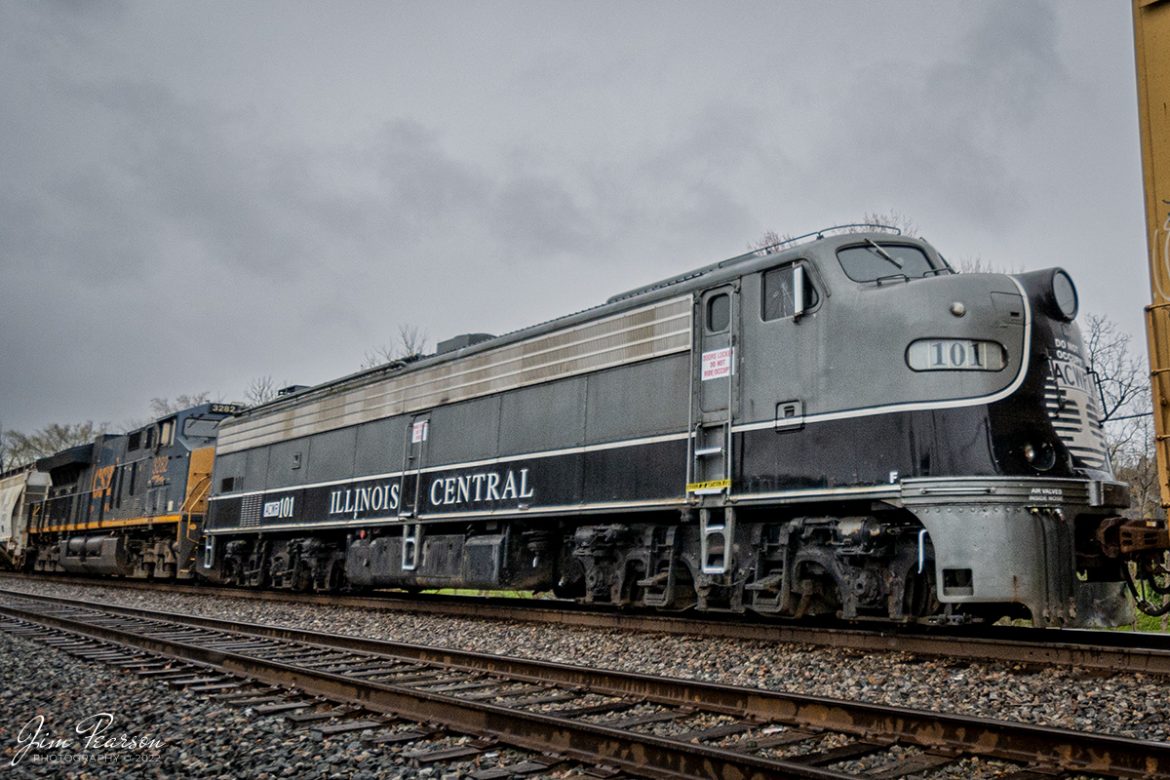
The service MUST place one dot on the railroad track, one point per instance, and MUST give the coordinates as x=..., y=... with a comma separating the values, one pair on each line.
x=638, y=724
x=1113, y=651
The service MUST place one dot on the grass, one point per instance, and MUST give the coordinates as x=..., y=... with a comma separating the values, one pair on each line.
x=502, y=594
x=1156, y=625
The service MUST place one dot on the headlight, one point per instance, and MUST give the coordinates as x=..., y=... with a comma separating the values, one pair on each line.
x=956, y=355
x=1041, y=458
x=1063, y=296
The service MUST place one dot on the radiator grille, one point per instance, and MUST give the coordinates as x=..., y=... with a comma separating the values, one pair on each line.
x=1077, y=422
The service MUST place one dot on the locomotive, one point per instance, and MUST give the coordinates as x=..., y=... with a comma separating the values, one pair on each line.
x=841, y=424
x=129, y=505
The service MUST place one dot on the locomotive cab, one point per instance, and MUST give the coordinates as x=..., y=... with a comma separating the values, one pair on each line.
x=914, y=441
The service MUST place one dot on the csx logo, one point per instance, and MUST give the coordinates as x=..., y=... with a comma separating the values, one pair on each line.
x=158, y=470
x=102, y=479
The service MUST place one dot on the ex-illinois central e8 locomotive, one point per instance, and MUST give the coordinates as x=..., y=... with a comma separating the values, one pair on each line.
x=844, y=426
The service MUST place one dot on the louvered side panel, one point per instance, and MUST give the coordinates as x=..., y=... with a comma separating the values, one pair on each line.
x=649, y=332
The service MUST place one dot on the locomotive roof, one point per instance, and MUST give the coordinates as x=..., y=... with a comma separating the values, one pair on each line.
x=17, y=470
x=700, y=278
x=81, y=455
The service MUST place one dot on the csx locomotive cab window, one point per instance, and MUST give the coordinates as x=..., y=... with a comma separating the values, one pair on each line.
x=718, y=313
x=872, y=261
x=779, y=296
x=166, y=433
x=198, y=427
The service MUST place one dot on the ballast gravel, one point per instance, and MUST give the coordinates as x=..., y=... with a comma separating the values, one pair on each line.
x=1131, y=705
x=133, y=729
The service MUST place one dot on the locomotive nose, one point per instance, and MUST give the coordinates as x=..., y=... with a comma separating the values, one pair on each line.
x=1070, y=395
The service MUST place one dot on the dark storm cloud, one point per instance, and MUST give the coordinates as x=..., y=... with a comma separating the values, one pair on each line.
x=425, y=186
x=200, y=180
x=1009, y=61
x=427, y=191
x=194, y=195
x=150, y=173
x=948, y=130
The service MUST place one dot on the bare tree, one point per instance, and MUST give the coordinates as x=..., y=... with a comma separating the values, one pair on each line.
x=1121, y=377
x=1136, y=464
x=975, y=264
x=260, y=390
x=23, y=449
x=411, y=339
x=765, y=242
x=161, y=407
x=890, y=219
x=409, y=344
x=1123, y=389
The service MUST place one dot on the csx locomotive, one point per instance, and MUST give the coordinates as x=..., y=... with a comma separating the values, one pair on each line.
x=843, y=425
x=126, y=504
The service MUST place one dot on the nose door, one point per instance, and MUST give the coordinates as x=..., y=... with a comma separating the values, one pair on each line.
x=410, y=490
x=712, y=409
x=715, y=381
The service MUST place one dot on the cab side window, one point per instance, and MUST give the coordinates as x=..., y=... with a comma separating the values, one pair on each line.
x=779, y=296
x=166, y=435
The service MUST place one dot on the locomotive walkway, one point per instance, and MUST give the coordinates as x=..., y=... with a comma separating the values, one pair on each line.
x=638, y=724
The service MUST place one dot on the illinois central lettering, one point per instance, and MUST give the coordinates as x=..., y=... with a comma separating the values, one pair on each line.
x=485, y=486
x=355, y=501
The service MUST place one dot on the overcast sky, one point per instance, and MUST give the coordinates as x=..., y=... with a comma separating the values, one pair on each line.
x=193, y=195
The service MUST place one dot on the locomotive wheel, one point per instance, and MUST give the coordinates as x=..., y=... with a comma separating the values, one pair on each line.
x=335, y=580
x=303, y=578
x=571, y=591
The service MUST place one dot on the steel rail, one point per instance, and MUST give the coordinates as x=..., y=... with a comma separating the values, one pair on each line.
x=1114, y=651
x=645, y=754
x=1069, y=750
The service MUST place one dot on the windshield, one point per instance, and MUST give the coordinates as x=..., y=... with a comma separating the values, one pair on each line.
x=872, y=261
x=200, y=427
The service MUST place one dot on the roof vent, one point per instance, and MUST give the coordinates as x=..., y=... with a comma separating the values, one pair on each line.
x=461, y=341
x=290, y=390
